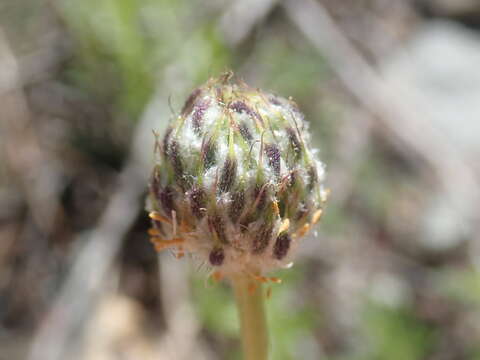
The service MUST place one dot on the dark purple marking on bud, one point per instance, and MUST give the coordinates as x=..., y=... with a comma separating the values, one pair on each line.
x=261, y=239
x=209, y=154
x=216, y=225
x=260, y=196
x=294, y=142
x=240, y=107
x=216, y=257
x=228, y=175
x=187, y=107
x=198, y=113
x=166, y=139
x=282, y=206
x=281, y=246
x=176, y=161
x=236, y=206
x=198, y=199
x=166, y=198
x=313, y=177
x=245, y=132
x=273, y=154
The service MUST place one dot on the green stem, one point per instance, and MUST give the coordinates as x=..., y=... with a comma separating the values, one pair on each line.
x=253, y=323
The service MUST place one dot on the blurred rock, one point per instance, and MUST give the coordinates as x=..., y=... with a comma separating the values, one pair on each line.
x=117, y=331
x=439, y=67
x=389, y=290
x=443, y=228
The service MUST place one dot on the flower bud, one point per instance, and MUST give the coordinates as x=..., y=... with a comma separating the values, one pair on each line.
x=236, y=182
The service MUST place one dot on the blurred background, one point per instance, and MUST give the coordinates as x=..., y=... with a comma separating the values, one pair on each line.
x=392, y=93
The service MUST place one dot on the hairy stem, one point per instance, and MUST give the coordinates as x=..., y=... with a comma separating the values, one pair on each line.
x=250, y=304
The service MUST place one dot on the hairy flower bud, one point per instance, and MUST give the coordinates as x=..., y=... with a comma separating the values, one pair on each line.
x=236, y=182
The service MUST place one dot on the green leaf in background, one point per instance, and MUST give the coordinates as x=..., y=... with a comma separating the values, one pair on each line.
x=394, y=334
x=290, y=318
x=215, y=306
x=112, y=54
x=461, y=285
x=123, y=46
